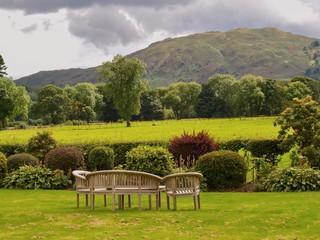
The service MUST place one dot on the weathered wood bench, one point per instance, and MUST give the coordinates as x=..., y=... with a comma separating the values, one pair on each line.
x=121, y=183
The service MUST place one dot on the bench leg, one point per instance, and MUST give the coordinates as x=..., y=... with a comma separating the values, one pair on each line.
x=174, y=202
x=77, y=200
x=129, y=201
x=105, y=199
x=150, y=202
x=113, y=202
x=139, y=201
x=199, y=201
x=92, y=201
x=195, y=202
x=168, y=202
x=87, y=200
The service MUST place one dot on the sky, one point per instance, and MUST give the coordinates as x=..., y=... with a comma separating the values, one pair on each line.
x=41, y=35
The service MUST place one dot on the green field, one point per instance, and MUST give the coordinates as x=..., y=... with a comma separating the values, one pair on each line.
x=51, y=214
x=220, y=129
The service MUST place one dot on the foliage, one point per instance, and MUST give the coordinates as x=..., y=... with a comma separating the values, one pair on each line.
x=261, y=167
x=151, y=106
x=292, y=180
x=268, y=149
x=234, y=145
x=189, y=147
x=11, y=149
x=182, y=98
x=300, y=125
x=3, y=167
x=297, y=89
x=52, y=105
x=101, y=158
x=250, y=103
x=65, y=158
x=20, y=159
x=310, y=156
x=223, y=169
x=40, y=144
x=3, y=67
x=124, y=84
x=155, y=160
x=14, y=101
x=36, y=177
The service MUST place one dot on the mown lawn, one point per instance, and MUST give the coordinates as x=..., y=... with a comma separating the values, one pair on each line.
x=49, y=214
x=220, y=129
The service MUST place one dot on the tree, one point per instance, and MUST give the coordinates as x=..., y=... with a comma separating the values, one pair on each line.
x=297, y=90
x=52, y=105
x=124, y=84
x=300, y=127
x=217, y=96
x=14, y=101
x=84, y=100
x=250, y=97
x=3, y=68
x=182, y=98
x=151, y=106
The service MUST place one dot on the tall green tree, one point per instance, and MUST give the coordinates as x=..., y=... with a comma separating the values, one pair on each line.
x=250, y=97
x=53, y=105
x=151, y=106
x=3, y=67
x=182, y=98
x=14, y=101
x=125, y=85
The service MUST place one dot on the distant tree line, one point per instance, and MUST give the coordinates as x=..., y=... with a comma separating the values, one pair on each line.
x=123, y=95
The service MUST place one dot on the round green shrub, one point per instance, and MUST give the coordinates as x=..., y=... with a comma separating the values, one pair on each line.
x=18, y=160
x=293, y=180
x=155, y=160
x=3, y=167
x=35, y=177
x=65, y=158
x=101, y=158
x=222, y=169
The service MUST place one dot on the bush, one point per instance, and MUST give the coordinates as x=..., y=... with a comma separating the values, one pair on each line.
x=101, y=158
x=223, y=169
x=3, y=167
x=65, y=158
x=312, y=155
x=189, y=147
x=11, y=149
x=41, y=144
x=155, y=160
x=233, y=145
x=29, y=177
x=17, y=160
x=293, y=180
x=268, y=149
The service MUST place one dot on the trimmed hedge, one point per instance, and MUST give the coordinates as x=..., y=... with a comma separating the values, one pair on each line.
x=3, y=167
x=65, y=158
x=222, y=169
x=18, y=160
x=150, y=159
x=101, y=158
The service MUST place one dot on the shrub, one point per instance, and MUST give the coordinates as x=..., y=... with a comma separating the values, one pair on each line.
x=101, y=158
x=11, y=149
x=312, y=155
x=293, y=180
x=233, y=145
x=189, y=147
x=41, y=144
x=17, y=160
x=155, y=160
x=3, y=167
x=223, y=169
x=268, y=149
x=29, y=177
x=64, y=158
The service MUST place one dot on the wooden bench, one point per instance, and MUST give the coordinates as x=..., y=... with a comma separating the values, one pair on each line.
x=183, y=185
x=121, y=183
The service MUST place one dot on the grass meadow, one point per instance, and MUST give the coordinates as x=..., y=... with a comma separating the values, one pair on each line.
x=52, y=214
x=220, y=129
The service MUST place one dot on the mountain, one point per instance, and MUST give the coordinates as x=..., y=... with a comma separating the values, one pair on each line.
x=267, y=52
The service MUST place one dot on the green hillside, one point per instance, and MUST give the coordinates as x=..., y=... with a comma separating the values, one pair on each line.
x=267, y=52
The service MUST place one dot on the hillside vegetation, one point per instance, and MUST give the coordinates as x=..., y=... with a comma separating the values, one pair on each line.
x=267, y=52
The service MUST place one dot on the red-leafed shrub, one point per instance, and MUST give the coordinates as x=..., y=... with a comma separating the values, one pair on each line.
x=187, y=148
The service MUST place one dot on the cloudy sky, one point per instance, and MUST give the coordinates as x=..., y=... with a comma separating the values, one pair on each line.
x=39, y=35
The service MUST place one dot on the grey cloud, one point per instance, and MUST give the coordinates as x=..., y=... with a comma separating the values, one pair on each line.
x=47, y=24
x=30, y=28
x=46, y=6
x=103, y=27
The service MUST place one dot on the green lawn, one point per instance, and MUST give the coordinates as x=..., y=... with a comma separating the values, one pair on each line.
x=48, y=214
x=220, y=129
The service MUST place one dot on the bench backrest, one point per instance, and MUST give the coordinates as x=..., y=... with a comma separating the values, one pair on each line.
x=182, y=182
